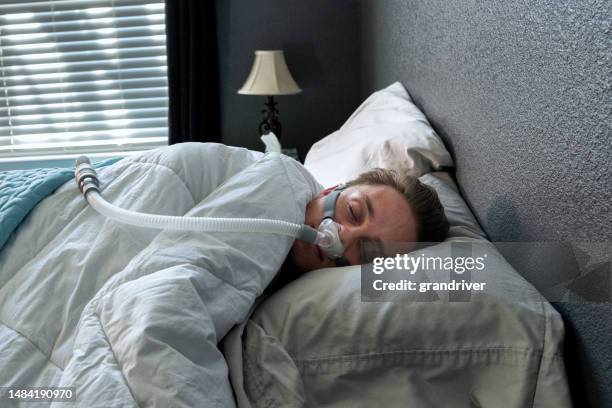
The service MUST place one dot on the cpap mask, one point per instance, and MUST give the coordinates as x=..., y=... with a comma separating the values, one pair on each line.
x=330, y=228
x=326, y=237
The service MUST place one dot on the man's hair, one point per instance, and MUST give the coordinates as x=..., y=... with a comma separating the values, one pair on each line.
x=432, y=225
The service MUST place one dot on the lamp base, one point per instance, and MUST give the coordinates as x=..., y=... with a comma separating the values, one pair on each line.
x=270, y=122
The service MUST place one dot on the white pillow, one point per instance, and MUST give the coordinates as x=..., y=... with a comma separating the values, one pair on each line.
x=387, y=131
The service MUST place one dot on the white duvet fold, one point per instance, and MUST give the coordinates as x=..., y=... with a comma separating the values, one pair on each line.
x=132, y=316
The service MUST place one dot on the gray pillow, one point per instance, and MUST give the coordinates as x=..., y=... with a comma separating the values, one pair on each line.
x=462, y=222
x=316, y=343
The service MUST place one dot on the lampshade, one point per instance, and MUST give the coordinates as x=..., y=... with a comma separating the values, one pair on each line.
x=269, y=76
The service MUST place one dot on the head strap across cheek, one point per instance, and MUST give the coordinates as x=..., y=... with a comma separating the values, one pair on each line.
x=329, y=205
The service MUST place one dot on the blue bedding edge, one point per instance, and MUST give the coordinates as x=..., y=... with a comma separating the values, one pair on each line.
x=22, y=190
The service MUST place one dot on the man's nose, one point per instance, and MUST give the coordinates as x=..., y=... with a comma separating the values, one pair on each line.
x=349, y=235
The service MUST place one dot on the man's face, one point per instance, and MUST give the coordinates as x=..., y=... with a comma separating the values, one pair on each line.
x=365, y=213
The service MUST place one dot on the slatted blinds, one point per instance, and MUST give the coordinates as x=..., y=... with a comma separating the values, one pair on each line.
x=81, y=76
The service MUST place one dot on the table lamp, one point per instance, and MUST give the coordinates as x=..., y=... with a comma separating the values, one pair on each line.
x=270, y=76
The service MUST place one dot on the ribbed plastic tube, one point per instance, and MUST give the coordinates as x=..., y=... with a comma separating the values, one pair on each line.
x=265, y=226
x=86, y=177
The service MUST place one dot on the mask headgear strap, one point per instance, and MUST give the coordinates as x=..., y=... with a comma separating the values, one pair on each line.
x=329, y=205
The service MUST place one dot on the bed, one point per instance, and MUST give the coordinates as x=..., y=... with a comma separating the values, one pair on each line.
x=138, y=317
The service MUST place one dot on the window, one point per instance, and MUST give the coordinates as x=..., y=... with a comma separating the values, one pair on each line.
x=81, y=76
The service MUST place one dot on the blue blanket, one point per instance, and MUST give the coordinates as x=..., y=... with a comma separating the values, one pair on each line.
x=21, y=190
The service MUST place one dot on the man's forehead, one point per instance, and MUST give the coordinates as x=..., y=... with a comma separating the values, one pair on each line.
x=393, y=215
x=384, y=198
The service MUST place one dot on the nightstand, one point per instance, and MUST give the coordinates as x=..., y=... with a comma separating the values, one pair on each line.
x=291, y=152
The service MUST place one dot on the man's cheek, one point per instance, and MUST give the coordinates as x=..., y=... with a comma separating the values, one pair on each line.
x=314, y=212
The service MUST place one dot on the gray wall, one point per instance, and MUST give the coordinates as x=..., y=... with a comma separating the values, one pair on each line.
x=320, y=39
x=520, y=92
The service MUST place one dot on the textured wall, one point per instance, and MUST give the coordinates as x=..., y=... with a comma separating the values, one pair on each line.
x=520, y=92
x=320, y=39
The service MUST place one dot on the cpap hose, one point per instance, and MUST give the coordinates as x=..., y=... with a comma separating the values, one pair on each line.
x=87, y=179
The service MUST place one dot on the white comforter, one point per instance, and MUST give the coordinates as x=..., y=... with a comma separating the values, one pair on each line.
x=132, y=316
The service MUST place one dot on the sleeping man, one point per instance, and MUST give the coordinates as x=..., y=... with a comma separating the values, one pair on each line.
x=377, y=206
x=132, y=316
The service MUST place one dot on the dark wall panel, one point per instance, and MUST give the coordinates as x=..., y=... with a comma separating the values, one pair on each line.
x=321, y=43
x=520, y=92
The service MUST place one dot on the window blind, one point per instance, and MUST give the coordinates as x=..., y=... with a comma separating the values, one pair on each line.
x=82, y=76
